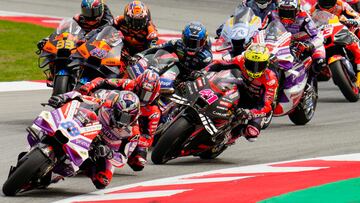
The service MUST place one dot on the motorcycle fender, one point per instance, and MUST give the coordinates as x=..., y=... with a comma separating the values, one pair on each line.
x=334, y=58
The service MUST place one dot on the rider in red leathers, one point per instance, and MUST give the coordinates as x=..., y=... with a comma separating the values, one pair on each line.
x=147, y=87
x=257, y=92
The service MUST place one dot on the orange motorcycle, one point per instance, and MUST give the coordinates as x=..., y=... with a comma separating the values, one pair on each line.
x=99, y=56
x=55, y=54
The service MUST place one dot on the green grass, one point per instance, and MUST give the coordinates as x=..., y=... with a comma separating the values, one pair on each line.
x=18, y=60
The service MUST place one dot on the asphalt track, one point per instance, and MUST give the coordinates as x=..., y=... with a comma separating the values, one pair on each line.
x=334, y=129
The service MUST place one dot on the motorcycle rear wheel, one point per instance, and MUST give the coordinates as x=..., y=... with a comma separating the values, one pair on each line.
x=29, y=167
x=171, y=141
x=342, y=80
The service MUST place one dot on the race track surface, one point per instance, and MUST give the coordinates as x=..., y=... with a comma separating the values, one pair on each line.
x=334, y=129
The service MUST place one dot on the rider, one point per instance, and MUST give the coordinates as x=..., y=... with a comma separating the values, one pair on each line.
x=303, y=30
x=340, y=8
x=137, y=27
x=257, y=92
x=193, y=50
x=117, y=112
x=95, y=15
x=147, y=88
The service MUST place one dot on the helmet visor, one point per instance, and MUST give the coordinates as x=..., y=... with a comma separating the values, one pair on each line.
x=255, y=69
x=120, y=118
x=137, y=23
x=193, y=45
x=91, y=13
x=327, y=4
x=287, y=13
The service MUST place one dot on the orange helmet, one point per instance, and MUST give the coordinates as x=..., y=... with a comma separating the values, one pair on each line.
x=137, y=15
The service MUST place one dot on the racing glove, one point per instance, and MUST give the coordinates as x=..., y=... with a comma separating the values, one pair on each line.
x=318, y=65
x=41, y=43
x=244, y=114
x=57, y=101
x=351, y=23
x=86, y=89
x=104, y=151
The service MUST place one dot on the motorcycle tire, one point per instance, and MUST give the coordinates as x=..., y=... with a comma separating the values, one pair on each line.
x=210, y=154
x=61, y=84
x=171, y=141
x=30, y=166
x=300, y=115
x=342, y=80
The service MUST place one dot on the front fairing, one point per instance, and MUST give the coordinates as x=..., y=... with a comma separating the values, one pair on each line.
x=214, y=95
x=158, y=62
x=241, y=27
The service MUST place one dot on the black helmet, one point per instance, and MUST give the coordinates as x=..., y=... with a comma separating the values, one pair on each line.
x=327, y=4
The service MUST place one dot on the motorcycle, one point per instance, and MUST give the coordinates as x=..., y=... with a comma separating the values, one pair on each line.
x=163, y=63
x=100, y=56
x=297, y=92
x=238, y=31
x=60, y=145
x=339, y=59
x=56, y=55
x=205, y=119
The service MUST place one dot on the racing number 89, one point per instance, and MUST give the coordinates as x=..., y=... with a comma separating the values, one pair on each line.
x=71, y=128
x=67, y=44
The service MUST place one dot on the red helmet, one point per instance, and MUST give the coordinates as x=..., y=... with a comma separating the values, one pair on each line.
x=137, y=15
x=147, y=86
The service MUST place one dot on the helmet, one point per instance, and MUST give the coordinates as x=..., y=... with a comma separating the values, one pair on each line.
x=288, y=9
x=125, y=109
x=263, y=4
x=136, y=15
x=256, y=60
x=147, y=86
x=194, y=37
x=92, y=10
x=327, y=4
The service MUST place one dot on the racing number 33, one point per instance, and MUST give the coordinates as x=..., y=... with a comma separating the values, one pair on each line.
x=65, y=44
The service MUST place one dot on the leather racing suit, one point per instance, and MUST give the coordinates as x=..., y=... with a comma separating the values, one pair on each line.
x=257, y=95
x=137, y=40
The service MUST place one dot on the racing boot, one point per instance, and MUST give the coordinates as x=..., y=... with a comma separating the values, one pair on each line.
x=358, y=75
x=137, y=159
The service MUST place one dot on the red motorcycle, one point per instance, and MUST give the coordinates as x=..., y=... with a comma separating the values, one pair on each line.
x=340, y=60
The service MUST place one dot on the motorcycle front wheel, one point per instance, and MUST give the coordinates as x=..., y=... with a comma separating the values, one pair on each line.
x=342, y=80
x=61, y=84
x=305, y=110
x=31, y=166
x=171, y=141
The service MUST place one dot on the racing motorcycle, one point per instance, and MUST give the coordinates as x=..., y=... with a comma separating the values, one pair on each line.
x=99, y=56
x=62, y=142
x=56, y=55
x=163, y=63
x=205, y=119
x=339, y=59
x=238, y=31
x=297, y=92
